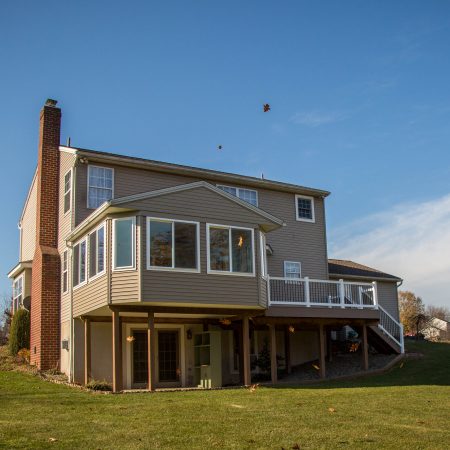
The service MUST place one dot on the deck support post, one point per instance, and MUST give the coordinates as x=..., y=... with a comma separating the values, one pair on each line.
x=365, y=348
x=246, y=351
x=151, y=351
x=287, y=349
x=87, y=350
x=322, y=370
x=273, y=353
x=329, y=346
x=117, y=351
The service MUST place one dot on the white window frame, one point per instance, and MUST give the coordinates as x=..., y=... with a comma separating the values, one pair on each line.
x=65, y=272
x=20, y=278
x=75, y=287
x=262, y=246
x=303, y=219
x=208, y=250
x=113, y=241
x=88, y=177
x=237, y=192
x=299, y=270
x=98, y=274
x=69, y=192
x=173, y=268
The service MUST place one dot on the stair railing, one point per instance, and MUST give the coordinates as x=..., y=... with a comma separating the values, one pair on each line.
x=392, y=327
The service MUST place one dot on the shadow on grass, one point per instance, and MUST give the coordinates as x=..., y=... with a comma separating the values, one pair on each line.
x=432, y=369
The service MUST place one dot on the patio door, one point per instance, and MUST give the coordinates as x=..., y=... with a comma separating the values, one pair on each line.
x=140, y=358
x=168, y=356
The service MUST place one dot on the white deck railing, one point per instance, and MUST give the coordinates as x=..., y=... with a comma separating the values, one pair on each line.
x=392, y=327
x=333, y=294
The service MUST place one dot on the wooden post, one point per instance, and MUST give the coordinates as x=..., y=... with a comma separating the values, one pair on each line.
x=151, y=349
x=287, y=349
x=365, y=348
x=322, y=351
x=329, y=346
x=117, y=351
x=87, y=350
x=246, y=351
x=273, y=354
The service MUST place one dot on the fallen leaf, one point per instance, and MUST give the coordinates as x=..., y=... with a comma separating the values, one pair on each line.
x=296, y=447
x=52, y=439
x=316, y=366
x=253, y=387
x=331, y=410
x=401, y=365
x=236, y=406
x=421, y=422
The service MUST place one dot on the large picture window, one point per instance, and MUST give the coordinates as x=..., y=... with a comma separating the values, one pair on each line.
x=230, y=250
x=100, y=185
x=79, y=263
x=97, y=252
x=172, y=244
x=124, y=243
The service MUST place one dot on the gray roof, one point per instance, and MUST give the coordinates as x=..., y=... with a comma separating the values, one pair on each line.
x=345, y=268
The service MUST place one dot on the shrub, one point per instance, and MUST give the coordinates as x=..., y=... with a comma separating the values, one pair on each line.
x=96, y=385
x=19, y=336
x=24, y=355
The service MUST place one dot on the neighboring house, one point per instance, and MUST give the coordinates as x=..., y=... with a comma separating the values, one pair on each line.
x=436, y=330
x=151, y=274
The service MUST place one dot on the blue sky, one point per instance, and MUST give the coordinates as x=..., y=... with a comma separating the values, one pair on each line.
x=358, y=90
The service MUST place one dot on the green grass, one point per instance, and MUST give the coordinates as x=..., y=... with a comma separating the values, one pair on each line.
x=408, y=408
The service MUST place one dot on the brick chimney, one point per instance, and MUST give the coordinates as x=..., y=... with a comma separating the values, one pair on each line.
x=45, y=290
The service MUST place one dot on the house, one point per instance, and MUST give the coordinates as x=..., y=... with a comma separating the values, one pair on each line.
x=436, y=330
x=150, y=274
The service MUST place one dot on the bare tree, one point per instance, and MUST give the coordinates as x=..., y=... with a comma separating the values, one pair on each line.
x=439, y=312
x=5, y=316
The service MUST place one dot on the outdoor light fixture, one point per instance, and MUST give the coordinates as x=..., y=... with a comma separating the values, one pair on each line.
x=189, y=334
x=130, y=339
x=291, y=329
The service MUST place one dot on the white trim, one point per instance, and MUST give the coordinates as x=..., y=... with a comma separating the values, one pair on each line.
x=262, y=247
x=88, y=176
x=173, y=268
x=98, y=274
x=20, y=278
x=66, y=253
x=65, y=213
x=299, y=267
x=240, y=189
x=133, y=255
x=208, y=255
x=79, y=242
x=303, y=219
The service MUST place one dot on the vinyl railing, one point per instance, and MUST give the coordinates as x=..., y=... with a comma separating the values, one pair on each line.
x=392, y=327
x=333, y=294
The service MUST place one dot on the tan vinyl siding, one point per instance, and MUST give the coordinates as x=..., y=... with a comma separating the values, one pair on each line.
x=388, y=297
x=297, y=241
x=28, y=231
x=67, y=162
x=90, y=296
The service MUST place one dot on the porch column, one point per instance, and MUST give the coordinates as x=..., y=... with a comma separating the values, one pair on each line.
x=273, y=353
x=365, y=348
x=322, y=351
x=87, y=350
x=329, y=346
x=287, y=349
x=117, y=351
x=246, y=351
x=151, y=348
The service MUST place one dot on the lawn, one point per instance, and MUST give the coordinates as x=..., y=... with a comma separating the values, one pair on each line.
x=408, y=407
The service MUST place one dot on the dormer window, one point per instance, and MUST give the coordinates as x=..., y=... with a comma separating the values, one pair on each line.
x=248, y=195
x=100, y=185
x=304, y=206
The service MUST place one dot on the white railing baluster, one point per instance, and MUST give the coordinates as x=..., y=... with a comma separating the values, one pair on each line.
x=307, y=293
x=375, y=294
x=342, y=292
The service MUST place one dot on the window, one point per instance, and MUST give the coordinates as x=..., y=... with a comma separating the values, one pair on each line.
x=97, y=252
x=67, y=191
x=262, y=246
x=292, y=269
x=172, y=244
x=230, y=250
x=304, y=208
x=248, y=195
x=65, y=272
x=17, y=293
x=79, y=263
x=100, y=185
x=124, y=243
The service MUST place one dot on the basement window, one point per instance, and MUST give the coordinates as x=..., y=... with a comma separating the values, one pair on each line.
x=79, y=263
x=100, y=185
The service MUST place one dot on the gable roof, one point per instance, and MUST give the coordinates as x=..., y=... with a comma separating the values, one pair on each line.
x=216, y=175
x=120, y=205
x=346, y=268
